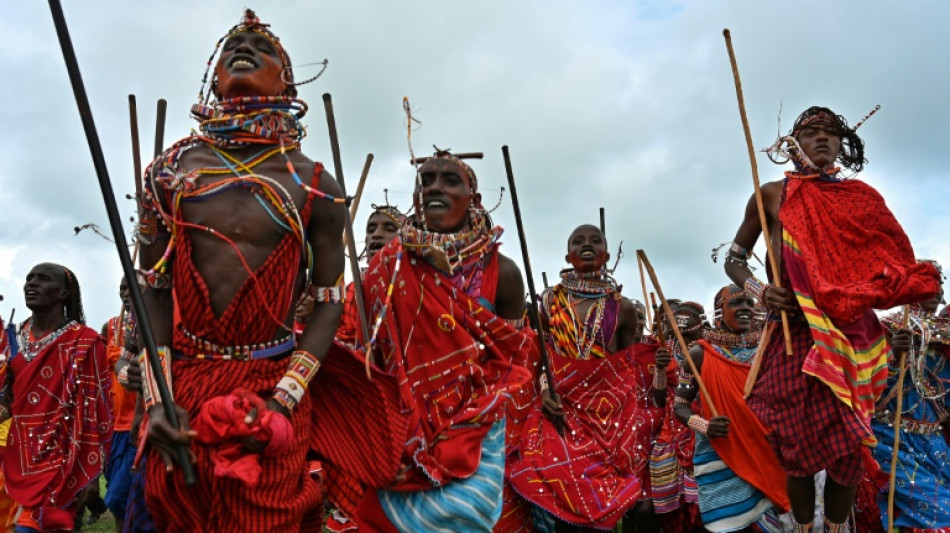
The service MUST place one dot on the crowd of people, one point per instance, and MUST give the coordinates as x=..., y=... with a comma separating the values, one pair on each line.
x=444, y=399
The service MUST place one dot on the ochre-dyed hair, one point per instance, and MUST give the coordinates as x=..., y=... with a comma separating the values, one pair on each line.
x=73, y=303
x=851, y=155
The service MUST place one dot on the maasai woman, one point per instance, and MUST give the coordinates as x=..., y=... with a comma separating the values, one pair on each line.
x=740, y=481
x=671, y=461
x=594, y=471
x=58, y=392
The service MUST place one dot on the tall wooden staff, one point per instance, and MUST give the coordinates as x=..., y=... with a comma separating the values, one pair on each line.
x=676, y=331
x=535, y=319
x=115, y=222
x=603, y=225
x=359, y=192
x=773, y=262
x=348, y=229
x=646, y=301
x=897, y=427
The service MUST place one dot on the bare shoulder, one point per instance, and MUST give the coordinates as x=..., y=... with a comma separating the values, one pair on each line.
x=508, y=270
x=697, y=354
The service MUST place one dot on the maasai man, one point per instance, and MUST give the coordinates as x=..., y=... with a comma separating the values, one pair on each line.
x=58, y=391
x=671, y=461
x=235, y=224
x=842, y=254
x=450, y=326
x=922, y=498
x=118, y=471
x=595, y=471
x=739, y=478
x=382, y=226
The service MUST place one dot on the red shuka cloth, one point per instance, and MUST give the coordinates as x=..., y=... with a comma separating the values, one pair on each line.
x=456, y=363
x=745, y=450
x=62, y=424
x=599, y=468
x=857, y=254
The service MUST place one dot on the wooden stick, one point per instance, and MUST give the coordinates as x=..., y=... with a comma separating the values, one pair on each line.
x=603, y=225
x=359, y=193
x=776, y=273
x=160, y=109
x=897, y=427
x=757, y=361
x=136, y=150
x=115, y=223
x=544, y=278
x=535, y=319
x=348, y=228
x=646, y=301
x=679, y=335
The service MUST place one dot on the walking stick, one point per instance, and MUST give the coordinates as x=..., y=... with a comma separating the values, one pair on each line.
x=108, y=197
x=603, y=226
x=757, y=361
x=646, y=301
x=676, y=331
x=359, y=191
x=776, y=273
x=897, y=428
x=348, y=229
x=544, y=279
x=160, y=109
x=535, y=319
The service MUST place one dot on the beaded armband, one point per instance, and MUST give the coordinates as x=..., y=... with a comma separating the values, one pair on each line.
x=123, y=376
x=738, y=254
x=659, y=379
x=150, y=393
x=543, y=382
x=698, y=424
x=331, y=295
x=680, y=400
x=291, y=388
x=155, y=280
x=755, y=287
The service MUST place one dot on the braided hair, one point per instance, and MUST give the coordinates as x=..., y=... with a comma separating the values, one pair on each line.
x=851, y=154
x=73, y=303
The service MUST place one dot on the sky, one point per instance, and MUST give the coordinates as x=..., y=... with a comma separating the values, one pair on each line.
x=626, y=105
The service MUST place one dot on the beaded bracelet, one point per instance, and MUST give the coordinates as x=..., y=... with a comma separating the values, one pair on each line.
x=680, y=400
x=659, y=379
x=291, y=388
x=150, y=393
x=756, y=288
x=698, y=424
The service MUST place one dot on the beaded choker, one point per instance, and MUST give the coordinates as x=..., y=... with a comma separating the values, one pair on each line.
x=730, y=340
x=588, y=284
x=29, y=347
x=450, y=251
x=252, y=120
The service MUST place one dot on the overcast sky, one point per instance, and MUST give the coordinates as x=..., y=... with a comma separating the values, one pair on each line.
x=626, y=105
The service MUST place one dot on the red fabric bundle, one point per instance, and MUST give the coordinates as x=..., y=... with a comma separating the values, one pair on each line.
x=857, y=254
x=221, y=424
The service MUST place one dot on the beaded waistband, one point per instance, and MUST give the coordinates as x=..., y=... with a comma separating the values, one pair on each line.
x=909, y=425
x=248, y=352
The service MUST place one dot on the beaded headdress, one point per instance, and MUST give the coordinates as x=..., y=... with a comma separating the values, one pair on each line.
x=787, y=148
x=251, y=22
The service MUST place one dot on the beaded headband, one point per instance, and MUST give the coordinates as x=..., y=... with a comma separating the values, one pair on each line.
x=457, y=159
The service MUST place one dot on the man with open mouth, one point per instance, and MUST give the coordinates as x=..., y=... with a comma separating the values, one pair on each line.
x=236, y=224
x=448, y=311
x=841, y=254
x=596, y=470
x=732, y=461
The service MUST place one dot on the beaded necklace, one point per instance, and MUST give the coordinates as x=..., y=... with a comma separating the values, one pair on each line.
x=731, y=340
x=588, y=284
x=451, y=252
x=30, y=347
x=271, y=121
